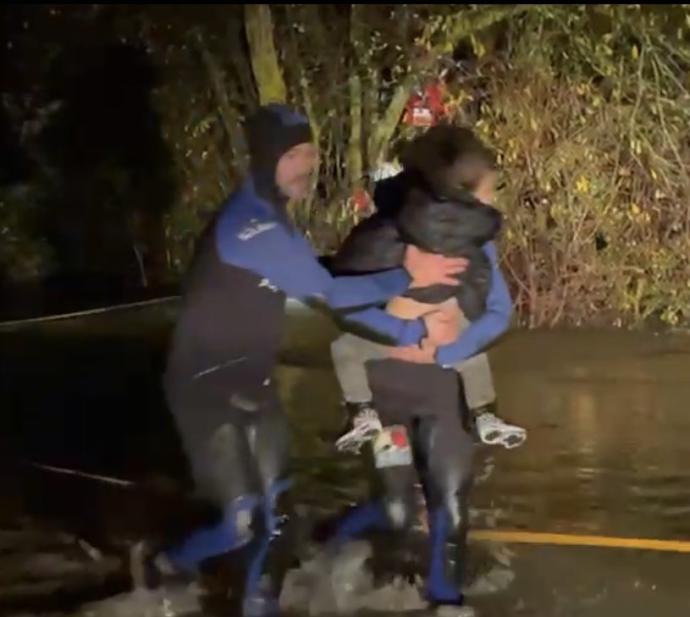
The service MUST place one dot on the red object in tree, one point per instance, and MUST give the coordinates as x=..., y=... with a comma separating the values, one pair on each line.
x=360, y=201
x=426, y=107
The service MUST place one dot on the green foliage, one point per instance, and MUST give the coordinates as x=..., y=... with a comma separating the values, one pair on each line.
x=587, y=105
x=23, y=254
x=596, y=161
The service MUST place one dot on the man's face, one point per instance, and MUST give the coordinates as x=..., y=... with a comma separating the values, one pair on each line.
x=295, y=169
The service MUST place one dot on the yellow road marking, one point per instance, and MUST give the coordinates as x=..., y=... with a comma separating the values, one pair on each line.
x=559, y=539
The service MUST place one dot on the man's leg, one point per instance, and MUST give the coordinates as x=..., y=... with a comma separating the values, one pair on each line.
x=225, y=474
x=241, y=467
x=393, y=508
x=350, y=354
x=272, y=550
x=447, y=450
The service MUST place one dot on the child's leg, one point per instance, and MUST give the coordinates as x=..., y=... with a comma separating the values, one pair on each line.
x=480, y=395
x=477, y=377
x=478, y=380
x=350, y=354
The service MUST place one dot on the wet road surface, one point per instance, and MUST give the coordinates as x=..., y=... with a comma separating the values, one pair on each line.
x=609, y=440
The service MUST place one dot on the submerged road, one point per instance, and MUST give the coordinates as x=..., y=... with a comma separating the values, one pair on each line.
x=606, y=456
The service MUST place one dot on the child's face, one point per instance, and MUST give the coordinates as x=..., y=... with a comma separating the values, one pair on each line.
x=486, y=189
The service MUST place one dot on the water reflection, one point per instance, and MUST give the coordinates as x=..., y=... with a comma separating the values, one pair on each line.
x=606, y=413
x=607, y=422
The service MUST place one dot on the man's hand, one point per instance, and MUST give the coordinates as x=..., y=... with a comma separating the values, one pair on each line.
x=442, y=326
x=419, y=355
x=428, y=269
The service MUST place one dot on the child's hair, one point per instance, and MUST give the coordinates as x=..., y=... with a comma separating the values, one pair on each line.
x=449, y=158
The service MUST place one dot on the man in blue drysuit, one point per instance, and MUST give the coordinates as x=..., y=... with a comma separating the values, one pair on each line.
x=224, y=349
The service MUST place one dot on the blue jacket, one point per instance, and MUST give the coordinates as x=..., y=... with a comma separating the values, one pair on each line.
x=492, y=324
x=248, y=260
x=251, y=235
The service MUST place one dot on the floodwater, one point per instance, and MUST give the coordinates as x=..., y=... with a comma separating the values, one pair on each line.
x=607, y=411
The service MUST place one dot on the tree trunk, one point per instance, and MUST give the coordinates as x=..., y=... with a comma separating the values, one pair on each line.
x=316, y=134
x=354, y=149
x=267, y=74
x=384, y=130
x=228, y=113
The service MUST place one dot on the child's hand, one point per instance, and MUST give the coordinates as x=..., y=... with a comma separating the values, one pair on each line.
x=427, y=269
x=424, y=354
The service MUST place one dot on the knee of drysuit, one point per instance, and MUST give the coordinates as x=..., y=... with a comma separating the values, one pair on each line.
x=234, y=530
x=448, y=498
x=399, y=512
x=448, y=478
x=394, y=461
x=399, y=501
x=276, y=504
x=239, y=517
x=453, y=503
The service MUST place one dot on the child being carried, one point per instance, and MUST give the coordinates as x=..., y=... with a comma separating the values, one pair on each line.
x=456, y=222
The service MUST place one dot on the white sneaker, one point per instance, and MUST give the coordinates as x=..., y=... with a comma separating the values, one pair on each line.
x=365, y=426
x=492, y=430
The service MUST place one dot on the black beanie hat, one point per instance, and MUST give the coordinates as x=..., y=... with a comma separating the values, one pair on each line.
x=271, y=132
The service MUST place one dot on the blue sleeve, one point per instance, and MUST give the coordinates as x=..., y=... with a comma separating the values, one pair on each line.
x=287, y=262
x=373, y=321
x=366, y=289
x=483, y=331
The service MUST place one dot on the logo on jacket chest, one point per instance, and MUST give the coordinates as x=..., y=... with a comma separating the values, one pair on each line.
x=266, y=284
x=254, y=228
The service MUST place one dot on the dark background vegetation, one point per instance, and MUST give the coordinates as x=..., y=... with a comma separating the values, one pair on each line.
x=120, y=135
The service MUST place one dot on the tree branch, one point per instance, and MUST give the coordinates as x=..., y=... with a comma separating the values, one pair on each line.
x=354, y=150
x=228, y=113
x=267, y=73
